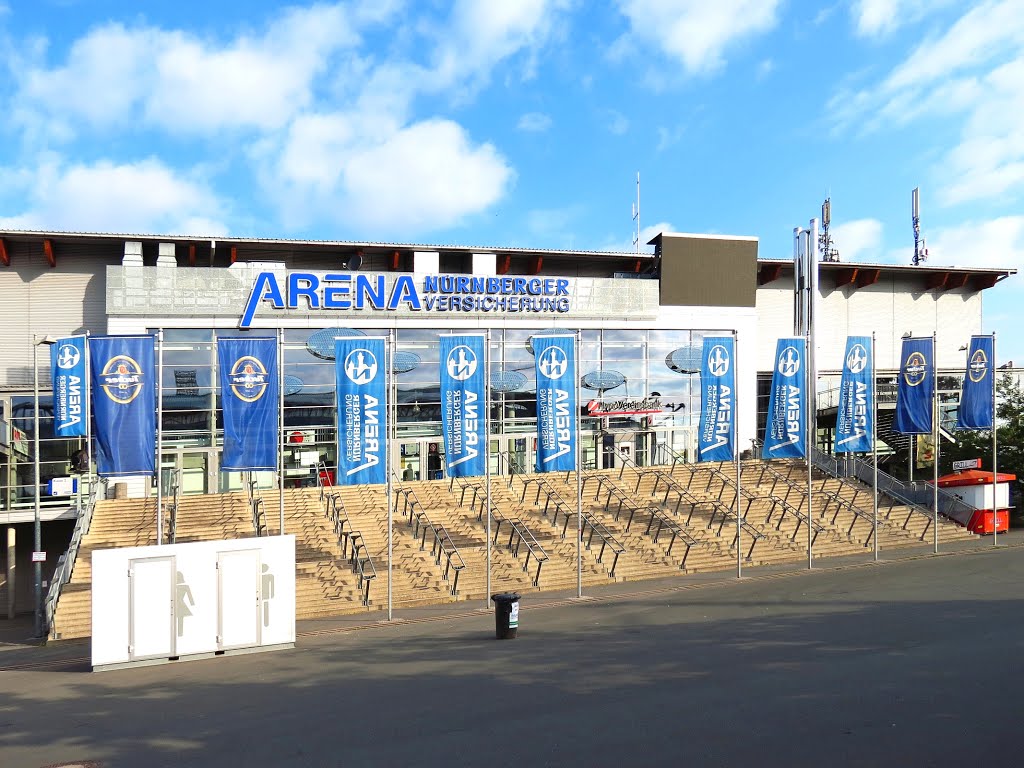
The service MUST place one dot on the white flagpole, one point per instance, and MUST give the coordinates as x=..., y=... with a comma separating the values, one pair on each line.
x=736, y=457
x=487, y=453
x=995, y=480
x=88, y=414
x=935, y=443
x=810, y=464
x=280, y=428
x=579, y=487
x=390, y=410
x=159, y=437
x=874, y=443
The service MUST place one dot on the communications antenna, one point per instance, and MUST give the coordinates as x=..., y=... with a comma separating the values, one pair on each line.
x=828, y=250
x=636, y=215
x=920, y=252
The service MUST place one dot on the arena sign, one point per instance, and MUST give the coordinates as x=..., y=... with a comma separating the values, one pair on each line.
x=426, y=293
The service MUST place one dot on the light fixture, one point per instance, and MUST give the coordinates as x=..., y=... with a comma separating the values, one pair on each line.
x=963, y=347
x=37, y=341
x=906, y=335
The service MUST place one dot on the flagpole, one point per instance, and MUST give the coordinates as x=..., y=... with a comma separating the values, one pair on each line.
x=579, y=487
x=487, y=463
x=810, y=465
x=390, y=432
x=280, y=428
x=995, y=476
x=935, y=443
x=736, y=458
x=874, y=443
x=159, y=437
x=88, y=415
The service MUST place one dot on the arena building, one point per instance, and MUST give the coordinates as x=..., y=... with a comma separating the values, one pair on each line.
x=640, y=316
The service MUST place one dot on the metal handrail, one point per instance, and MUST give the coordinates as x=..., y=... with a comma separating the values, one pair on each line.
x=442, y=545
x=802, y=518
x=520, y=534
x=172, y=517
x=66, y=566
x=362, y=563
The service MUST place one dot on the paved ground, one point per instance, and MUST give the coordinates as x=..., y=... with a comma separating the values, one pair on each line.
x=916, y=662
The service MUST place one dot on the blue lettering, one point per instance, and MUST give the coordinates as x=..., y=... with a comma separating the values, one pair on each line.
x=265, y=287
x=563, y=287
x=430, y=284
x=336, y=296
x=404, y=290
x=370, y=291
x=303, y=284
x=462, y=284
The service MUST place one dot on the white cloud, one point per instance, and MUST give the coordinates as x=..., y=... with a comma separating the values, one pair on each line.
x=696, y=33
x=669, y=136
x=646, y=234
x=534, y=122
x=146, y=196
x=995, y=242
x=875, y=18
x=857, y=240
x=553, y=223
x=765, y=68
x=618, y=123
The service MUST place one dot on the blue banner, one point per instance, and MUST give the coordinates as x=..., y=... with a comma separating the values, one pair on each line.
x=855, y=410
x=124, y=404
x=70, y=387
x=785, y=432
x=464, y=404
x=361, y=374
x=557, y=411
x=716, y=440
x=914, y=391
x=250, y=401
x=977, y=404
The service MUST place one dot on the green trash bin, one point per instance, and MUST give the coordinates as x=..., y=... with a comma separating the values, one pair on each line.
x=506, y=615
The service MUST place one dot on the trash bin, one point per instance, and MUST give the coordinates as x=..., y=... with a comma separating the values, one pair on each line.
x=120, y=490
x=506, y=615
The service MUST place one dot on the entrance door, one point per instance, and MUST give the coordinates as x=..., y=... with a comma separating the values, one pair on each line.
x=191, y=467
x=239, y=582
x=152, y=593
x=421, y=459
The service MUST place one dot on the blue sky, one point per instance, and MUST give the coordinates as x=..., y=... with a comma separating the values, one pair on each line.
x=525, y=123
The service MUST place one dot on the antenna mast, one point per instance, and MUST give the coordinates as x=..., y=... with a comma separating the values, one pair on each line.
x=636, y=215
x=828, y=252
x=920, y=252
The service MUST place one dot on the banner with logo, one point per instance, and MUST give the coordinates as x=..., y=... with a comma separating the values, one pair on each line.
x=786, y=429
x=464, y=404
x=976, y=403
x=856, y=408
x=70, y=386
x=250, y=402
x=716, y=440
x=361, y=375
x=914, y=391
x=555, y=364
x=124, y=404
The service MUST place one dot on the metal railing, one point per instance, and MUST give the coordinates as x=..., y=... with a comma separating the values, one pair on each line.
x=172, y=512
x=442, y=548
x=66, y=564
x=349, y=538
x=257, y=509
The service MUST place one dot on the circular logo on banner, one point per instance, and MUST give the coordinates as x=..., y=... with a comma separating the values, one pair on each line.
x=857, y=360
x=915, y=369
x=978, y=366
x=789, y=362
x=718, y=360
x=248, y=379
x=461, y=363
x=122, y=379
x=553, y=363
x=67, y=356
x=361, y=366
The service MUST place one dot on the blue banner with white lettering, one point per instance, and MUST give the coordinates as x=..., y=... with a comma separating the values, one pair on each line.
x=856, y=407
x=557, y=411
x=914, y=391
x=786, y=429
x=361, y=374
x=717, y=437
x=250, y=400
x=977, y=403
x=70, y=387
x=464, y=404
x=124, y=404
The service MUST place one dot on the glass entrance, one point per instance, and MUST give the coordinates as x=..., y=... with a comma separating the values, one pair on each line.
x=191, y=467
x=421, y=459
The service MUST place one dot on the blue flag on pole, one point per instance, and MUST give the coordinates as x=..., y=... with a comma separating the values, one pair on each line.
x=555, y=365
x=914, y=391
x=250, y=401
x=786, y=429
x=361, y=375
x=464, y=404
x=856, y=407
x=977, y=406
x=124, y=404
x=70, y=387
x=717, y=435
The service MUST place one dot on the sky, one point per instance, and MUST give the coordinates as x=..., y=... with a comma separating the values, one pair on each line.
x=525, y=124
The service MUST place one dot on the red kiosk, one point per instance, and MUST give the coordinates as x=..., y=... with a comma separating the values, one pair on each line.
x=974, y=487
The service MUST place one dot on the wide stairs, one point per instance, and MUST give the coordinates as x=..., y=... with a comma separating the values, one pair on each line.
x=638, y=523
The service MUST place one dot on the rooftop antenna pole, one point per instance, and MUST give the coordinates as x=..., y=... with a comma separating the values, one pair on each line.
x=919, y=256
x=636, y=215
x=828, y=253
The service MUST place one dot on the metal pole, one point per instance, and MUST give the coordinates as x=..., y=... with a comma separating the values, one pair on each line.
x=88, y=417
x=280, y=429
x=391, y=433
x=487, y=464
x=874, y=443
x=579, y=488
x=736, y=457
x=810, y=466
x=159, y=437
x=935, y=443
x=995, y=481
x=37, y=566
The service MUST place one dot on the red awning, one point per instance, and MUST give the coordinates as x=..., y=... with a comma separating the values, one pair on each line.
x=973, y=477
